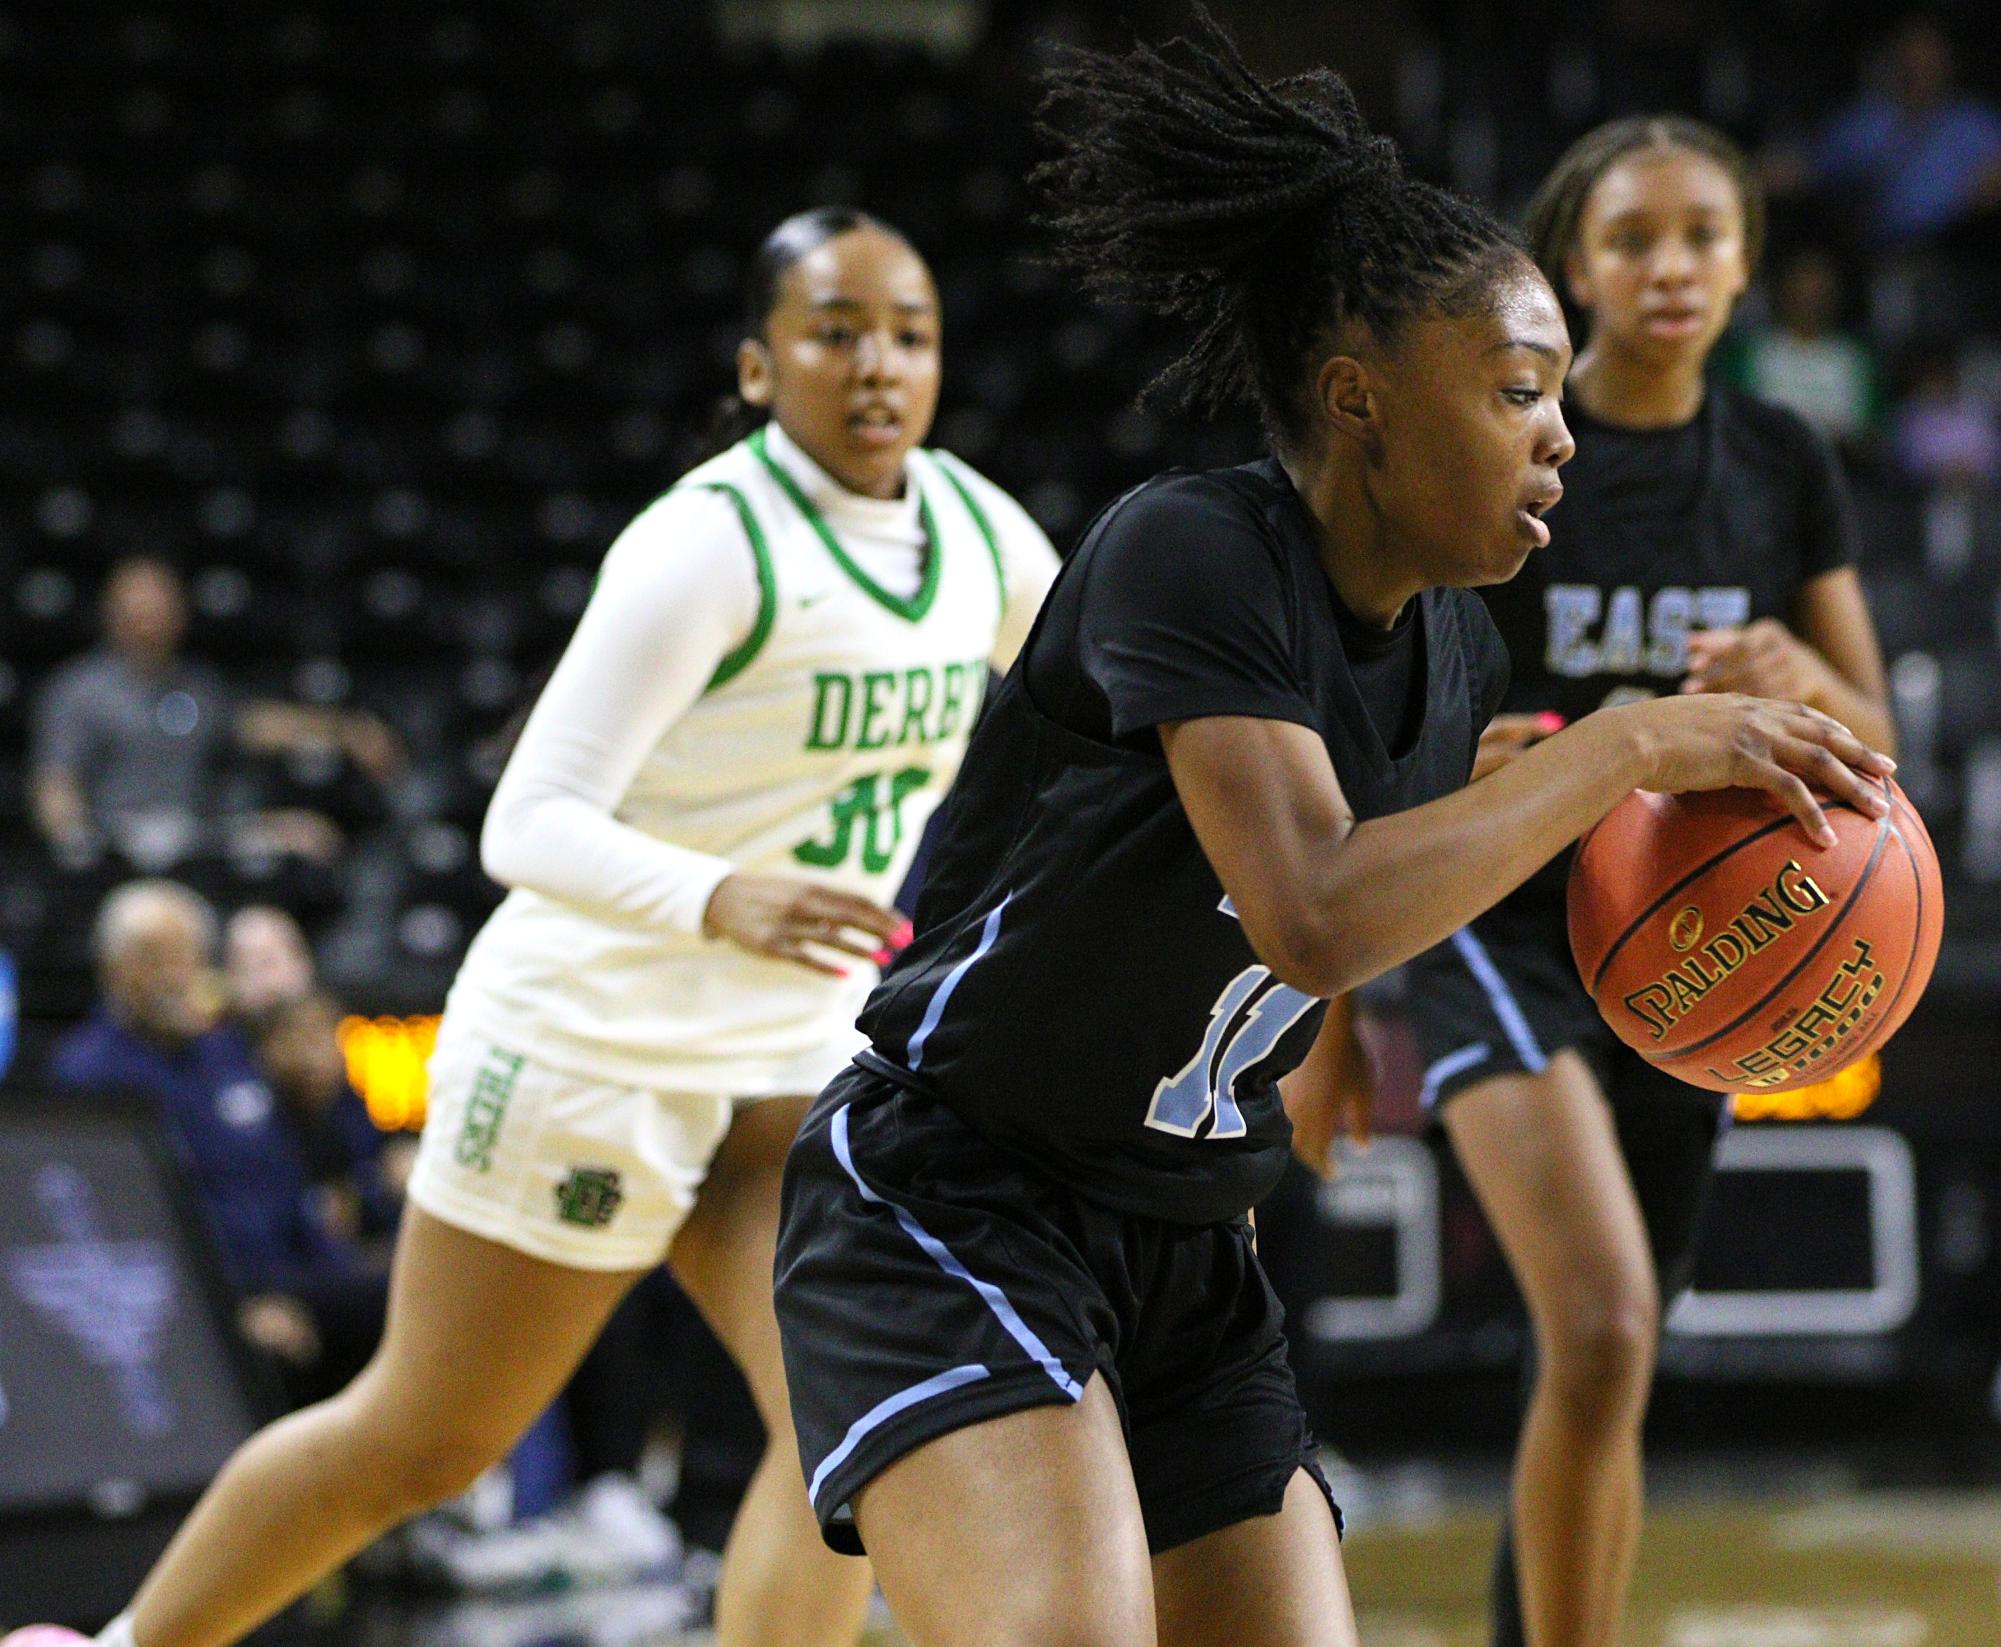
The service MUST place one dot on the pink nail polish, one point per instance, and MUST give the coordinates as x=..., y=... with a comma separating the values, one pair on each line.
x=1548, y=721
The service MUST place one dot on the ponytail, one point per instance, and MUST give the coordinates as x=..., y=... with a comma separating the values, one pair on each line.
x=1264, y=215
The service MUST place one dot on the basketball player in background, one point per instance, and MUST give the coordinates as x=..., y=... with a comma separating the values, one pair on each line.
x=1706, y=544
x=703, y=821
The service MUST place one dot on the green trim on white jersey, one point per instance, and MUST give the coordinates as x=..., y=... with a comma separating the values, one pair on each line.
x=911, y=610
x=948, y=466
x=767, y=588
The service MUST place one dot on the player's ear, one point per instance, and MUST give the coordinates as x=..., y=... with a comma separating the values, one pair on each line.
x=1347, y=398
x=753, y=372
x=1576, y=281
x=1740, y=275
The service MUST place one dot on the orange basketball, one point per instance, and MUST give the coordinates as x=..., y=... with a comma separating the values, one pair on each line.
x=1725, y=947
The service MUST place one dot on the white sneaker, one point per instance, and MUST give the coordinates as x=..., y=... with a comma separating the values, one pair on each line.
x=533, y=1555
x=614, y=1532
x=633, y=1615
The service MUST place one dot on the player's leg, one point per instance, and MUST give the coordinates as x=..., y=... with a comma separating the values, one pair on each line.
x=781, y=1586
x=1276, y=1581
x=948, y=1351
x=1668, y=1134
x=458, y=1377
x=1543, y=1156
x=1023, y=1529
x=1245, y=1540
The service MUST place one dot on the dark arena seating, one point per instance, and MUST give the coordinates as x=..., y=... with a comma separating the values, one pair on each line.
x=376, y=320
x=379, y=320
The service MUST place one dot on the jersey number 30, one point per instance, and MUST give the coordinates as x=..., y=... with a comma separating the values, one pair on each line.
x=862, y=813
x=1247, y=1021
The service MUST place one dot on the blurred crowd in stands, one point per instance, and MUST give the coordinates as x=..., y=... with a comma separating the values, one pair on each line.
x=217, y=901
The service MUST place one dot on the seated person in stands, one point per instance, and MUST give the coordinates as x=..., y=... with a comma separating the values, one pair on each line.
x=308, y=1295
x=266, y=963
x=132, y=741
x=1806, y=361
x=357, y=1170
x=1923, y=154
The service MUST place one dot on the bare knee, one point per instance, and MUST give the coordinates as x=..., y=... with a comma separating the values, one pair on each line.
x=1065, y=1629
x=1075, y=1622
x=1063, y=1605
x=1598, y=1346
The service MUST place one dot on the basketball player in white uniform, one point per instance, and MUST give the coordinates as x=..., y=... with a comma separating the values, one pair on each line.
x=703, y=824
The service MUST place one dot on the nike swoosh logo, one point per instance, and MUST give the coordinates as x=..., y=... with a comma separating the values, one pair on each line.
x=814, y=600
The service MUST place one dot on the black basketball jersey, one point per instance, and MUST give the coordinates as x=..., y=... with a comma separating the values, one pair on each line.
x=1079, y=990
x=1661, y=531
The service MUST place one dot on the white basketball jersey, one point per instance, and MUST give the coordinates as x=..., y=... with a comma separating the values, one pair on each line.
x=819, y=750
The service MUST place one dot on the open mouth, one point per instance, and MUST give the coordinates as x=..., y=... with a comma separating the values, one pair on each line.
x=1530, y=515
x=876, y=426
x=1675, y=321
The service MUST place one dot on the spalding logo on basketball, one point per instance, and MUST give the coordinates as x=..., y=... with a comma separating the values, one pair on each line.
x=1724, y=946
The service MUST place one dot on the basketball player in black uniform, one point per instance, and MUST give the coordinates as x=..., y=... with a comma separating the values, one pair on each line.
x=1705, y=544
x=1033, y=1362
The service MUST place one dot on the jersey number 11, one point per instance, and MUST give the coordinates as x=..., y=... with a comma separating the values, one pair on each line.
x=1249, y=1018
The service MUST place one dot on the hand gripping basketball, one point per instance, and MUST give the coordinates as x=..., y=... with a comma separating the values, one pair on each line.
x=1729, y=741
x=1732, y=955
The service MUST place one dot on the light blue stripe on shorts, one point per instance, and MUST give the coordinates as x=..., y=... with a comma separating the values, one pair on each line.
x=1447, y=1067
x=883, y=1411
x=996, y=1300
x=1513, y=1022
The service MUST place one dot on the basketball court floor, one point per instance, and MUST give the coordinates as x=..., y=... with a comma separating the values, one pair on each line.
x=1772, y=1550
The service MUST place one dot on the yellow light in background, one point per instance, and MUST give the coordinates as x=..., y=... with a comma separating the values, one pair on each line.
x=1843, y=1098
x=385, y=1065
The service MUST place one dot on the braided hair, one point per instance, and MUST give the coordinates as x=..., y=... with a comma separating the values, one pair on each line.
x=1557, y=209
x=1265, y=215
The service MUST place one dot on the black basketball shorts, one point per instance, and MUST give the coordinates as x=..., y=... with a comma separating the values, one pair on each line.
x=1502, y=997
x=927, y=1281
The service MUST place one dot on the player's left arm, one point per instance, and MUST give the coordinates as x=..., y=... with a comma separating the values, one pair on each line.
x=1332, y=1091
x=1829, y=659
x=1832, y=617
x=1028, y=564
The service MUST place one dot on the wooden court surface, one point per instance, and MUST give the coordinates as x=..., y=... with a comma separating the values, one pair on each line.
x=1871, y=1570
x=1905, y=1568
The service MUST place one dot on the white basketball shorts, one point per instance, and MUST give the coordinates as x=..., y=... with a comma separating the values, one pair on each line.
x=578, y=1171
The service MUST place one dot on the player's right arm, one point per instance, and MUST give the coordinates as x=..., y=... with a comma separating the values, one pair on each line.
x=1328, y=903
x=676, y=595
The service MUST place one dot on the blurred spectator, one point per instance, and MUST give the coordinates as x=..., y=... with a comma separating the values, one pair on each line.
x=1805, y=361
x=267, y=963
x=307, y=1295
x=1944, y=433
x=357, y=1170
x=131, y=742
x=1922, y=155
